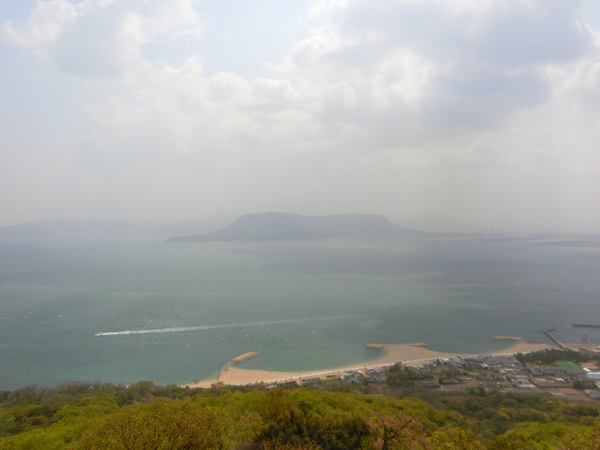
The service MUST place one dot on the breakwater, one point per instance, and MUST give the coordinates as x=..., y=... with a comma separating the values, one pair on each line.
x=553, y=339
x=506, y=338
x=414, y=344
x=238, y=359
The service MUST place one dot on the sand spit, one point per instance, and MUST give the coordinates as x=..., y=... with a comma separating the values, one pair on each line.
x=407, y=354
x=232, y=362
x=416, y=344
x=506, y=338
x=241, y=358
x=524, y=347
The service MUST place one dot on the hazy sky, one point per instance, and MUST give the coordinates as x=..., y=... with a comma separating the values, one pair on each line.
x=484, y=112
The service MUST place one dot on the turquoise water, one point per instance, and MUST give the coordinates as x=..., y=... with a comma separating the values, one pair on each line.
x=172, y=313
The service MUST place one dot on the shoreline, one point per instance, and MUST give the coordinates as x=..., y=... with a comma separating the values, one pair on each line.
x=413, y=354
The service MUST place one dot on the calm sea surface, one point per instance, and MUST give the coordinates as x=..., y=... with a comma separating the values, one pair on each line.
x=172, y=313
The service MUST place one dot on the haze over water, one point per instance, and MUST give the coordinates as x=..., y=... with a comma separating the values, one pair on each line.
x=146, y=310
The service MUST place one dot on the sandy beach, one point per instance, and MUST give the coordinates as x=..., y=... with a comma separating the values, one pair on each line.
x=408, y=354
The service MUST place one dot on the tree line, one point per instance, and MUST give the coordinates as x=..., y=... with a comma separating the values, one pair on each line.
x=145, y=416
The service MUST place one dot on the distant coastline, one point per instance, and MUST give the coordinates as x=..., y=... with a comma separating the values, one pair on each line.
x=413, y=354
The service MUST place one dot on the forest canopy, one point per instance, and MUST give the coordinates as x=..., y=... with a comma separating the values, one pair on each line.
x=105, y=416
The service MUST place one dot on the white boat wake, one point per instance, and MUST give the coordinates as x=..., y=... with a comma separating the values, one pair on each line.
x=207, y=327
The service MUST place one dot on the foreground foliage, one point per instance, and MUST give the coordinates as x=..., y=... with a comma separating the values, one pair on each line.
x=144, y=416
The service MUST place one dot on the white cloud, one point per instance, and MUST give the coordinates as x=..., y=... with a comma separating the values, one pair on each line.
x=44, y=25
x=99, y=38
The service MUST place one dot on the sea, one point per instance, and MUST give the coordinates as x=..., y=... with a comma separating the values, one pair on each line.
x=125, y=310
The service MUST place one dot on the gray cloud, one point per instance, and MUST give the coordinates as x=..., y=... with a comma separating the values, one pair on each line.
x=446, y=65
x=513, y=33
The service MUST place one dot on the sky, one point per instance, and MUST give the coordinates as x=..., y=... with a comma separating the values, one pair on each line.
x=480, y=112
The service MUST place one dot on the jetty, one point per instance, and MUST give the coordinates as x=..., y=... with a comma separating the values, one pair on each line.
x=585, y=325
x=553, y=339
x=238, y=359
x=506, y=338
x=383, y=346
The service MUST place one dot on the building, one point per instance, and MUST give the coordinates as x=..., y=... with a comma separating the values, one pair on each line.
x=570, y=368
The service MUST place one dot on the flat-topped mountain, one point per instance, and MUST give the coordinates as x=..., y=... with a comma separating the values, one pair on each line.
x=286, y=226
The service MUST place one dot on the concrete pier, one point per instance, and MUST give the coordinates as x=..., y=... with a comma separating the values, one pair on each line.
x=553, y=339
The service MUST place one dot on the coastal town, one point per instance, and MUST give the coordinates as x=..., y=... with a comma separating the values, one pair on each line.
x=569, y=371
x=562, y=379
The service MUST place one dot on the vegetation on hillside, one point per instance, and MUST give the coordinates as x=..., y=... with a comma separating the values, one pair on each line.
x=144, y=416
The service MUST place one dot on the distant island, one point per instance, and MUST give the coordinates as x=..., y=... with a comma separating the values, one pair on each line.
x=111, y=228
x=275, y=226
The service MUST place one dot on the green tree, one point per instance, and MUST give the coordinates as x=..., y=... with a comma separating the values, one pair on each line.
x=455, y=439
x=582, y=440
x=396, y=429
x=176, y=425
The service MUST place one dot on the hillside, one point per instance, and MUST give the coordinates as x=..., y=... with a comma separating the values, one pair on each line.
x=287, y=226
x=104, y=416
